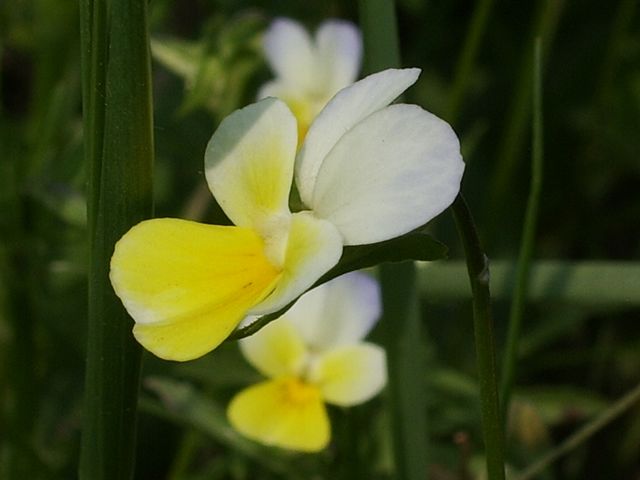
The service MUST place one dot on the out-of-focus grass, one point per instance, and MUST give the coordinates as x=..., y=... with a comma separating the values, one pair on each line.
x=580, y=343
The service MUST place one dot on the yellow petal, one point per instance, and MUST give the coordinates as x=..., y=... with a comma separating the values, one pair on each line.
x=284, y=413
x=313, y=247
x=249, y=163
x=187, y=285
x=351, y=374
x=276, y=350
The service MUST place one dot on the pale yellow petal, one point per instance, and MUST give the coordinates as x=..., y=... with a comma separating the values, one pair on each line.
x=314, y=246
x=249, y=163
x=187, y=285
x=351, y=374
x=276, y=350
x=285, y=413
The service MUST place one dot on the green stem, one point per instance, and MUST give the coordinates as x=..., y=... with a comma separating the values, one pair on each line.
x=528, y=236
x=119, y=153
x=582, y=435
x=478, y=271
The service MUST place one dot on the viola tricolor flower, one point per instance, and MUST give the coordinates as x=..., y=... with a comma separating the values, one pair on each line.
x=367, y=172
x=310, y=71
x=312, y=355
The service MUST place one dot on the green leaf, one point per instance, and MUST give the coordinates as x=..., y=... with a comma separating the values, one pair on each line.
x=416, y=245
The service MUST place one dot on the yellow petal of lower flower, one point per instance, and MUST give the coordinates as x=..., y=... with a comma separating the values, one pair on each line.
x=187, y=285
x=351, y=374
x=285, y=413
x=276, y=350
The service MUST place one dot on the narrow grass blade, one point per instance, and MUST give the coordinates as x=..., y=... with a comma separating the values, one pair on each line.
x=528, y=236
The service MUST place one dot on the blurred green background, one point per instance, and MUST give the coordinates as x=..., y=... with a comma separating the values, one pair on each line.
x=579, y=352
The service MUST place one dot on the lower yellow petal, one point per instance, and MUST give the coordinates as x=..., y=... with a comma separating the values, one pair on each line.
x=286, y=413
x=187, y=285
x=313, y=247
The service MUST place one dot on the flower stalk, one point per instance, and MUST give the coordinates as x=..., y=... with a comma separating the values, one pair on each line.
x=478, y=270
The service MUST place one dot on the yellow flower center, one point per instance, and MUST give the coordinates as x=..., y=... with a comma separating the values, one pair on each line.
x=296, y=392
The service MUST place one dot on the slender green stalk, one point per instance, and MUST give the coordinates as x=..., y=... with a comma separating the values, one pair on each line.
x=544, y=26
x=464, y=67
x=478, y=271
x=400, y=323
x=592, y=284
x=119, y=152
x=583, y=434
x=528, y=236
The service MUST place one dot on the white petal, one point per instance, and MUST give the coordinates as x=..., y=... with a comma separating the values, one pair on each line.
x=314, y=246
x=340, y=312
x=393, y=172
x=339, y=46
x=249, y=163
x=276, y=350
x=350, y=106
x=290, y=53
x=351, y=374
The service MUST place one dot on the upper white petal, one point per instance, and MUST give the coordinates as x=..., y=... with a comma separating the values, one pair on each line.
x=249, y=163
x=290, y=53
x=339, y=51
x=393, y=172
x=349, y=107
x=339, y=312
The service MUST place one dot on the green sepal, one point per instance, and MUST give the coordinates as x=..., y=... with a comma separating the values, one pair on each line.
x=415, y=245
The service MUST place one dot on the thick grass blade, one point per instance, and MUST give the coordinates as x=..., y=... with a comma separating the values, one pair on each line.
x=400, y=324
x=119, y=152
x=402, y=336
x=596, y=285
